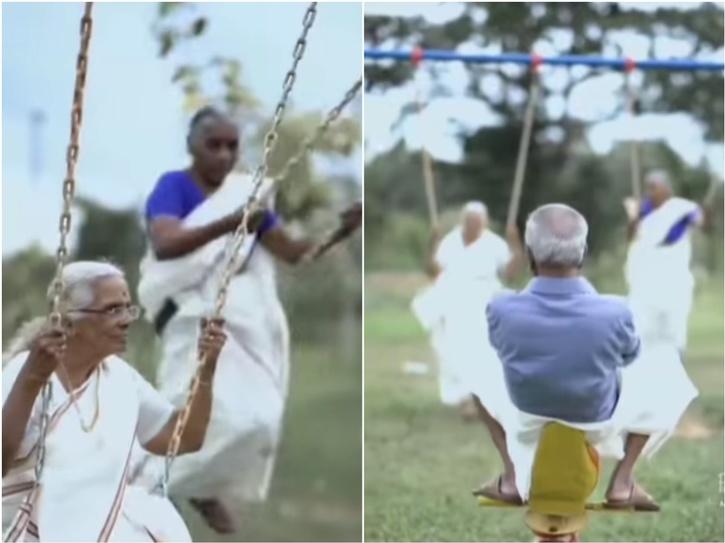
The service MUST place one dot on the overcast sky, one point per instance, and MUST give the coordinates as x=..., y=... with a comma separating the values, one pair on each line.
x=134, y=126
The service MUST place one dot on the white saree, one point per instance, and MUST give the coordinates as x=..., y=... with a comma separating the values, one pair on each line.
x=659, y=278
x=83, y=494
x=453, y=310
x=236, y=461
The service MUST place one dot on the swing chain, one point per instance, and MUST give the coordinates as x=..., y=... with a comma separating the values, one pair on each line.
x=270, y=141
x=43, y=431
x=289, y=80
x=239, y=237
x=310, y=141
x=65, y=218
x=71, y=160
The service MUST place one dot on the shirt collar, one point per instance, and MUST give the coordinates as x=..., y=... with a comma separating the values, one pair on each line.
x=560, y=285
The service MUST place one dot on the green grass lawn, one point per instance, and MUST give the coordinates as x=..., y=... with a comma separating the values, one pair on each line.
x=316, y=491
x=421, y=459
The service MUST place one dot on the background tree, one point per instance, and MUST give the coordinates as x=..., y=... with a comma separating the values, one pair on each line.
x=561, y=165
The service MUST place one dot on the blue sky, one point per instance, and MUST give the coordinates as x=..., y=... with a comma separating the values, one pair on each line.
x=134, y=126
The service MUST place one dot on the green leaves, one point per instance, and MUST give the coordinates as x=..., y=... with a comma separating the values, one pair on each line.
x=198, y=27
x=305, y=191
x=593, y=29
x=171, y=30
x=167, y=40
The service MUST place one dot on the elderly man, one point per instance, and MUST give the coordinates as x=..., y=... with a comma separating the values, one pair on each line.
x=467, y=265
x=658, y=262
x=573, y=356
x=99, y=407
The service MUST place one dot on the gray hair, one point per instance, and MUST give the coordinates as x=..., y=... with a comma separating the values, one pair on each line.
x=556, y=235
x=475, y=208
x=199, y=121
x=79, y=280
x=658, y=177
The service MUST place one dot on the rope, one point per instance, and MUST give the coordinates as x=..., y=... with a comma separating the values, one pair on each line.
x=712, y=190
x=240, y=236
x=429, y=182
x=633, y=106
x=426, y=161
x=524, y=142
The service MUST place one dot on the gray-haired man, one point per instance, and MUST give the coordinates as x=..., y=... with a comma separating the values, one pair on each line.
x=572, y=355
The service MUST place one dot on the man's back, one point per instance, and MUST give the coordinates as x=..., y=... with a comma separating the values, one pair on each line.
x=561, y=345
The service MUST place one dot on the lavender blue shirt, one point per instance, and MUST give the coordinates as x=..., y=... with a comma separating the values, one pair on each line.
x=562, y=345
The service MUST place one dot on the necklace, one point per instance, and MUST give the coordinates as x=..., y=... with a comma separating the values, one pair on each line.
x=73, y=394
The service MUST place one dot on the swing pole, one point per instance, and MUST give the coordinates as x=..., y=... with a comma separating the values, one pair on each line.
x=524, y=144
x=567, y=60
x=632, y=104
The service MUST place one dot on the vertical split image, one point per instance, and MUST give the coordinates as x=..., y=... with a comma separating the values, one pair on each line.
x=363, y=271
x=543, y=272
x=182, y=272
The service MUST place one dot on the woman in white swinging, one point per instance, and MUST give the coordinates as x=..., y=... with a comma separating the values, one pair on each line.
x=658, y=272
x=99, y=407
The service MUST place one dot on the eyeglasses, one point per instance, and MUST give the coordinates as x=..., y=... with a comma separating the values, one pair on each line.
x=117, y=312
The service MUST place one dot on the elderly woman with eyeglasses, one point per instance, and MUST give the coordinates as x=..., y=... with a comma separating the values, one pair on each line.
x=99, y=407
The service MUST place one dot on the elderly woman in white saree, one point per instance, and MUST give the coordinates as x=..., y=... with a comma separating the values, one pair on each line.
x=468, y=266
x=191, y=214
x=100, y=406
x=658, y=262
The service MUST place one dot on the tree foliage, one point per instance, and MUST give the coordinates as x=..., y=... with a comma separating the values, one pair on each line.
x=308, y=191
x=580, y=28
x=561, y=166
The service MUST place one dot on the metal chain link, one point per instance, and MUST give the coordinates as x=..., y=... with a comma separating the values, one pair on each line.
x=65, y=218
x=309, y=142
x=240, y=235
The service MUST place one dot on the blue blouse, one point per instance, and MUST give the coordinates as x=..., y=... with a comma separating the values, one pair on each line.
x=677, y=230
x=176, y=195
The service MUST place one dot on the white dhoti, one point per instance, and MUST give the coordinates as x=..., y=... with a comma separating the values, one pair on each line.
x=638, y=410
x=453, y=310
x=237, y=458
x=660, y=282
x=83, y=493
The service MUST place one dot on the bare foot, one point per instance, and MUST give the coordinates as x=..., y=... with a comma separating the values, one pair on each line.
x=214, y=514
x=619, y=487
x=627, y=494
x=508, y=484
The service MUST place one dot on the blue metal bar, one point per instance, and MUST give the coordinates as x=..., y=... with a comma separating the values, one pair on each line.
x=523, y=58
